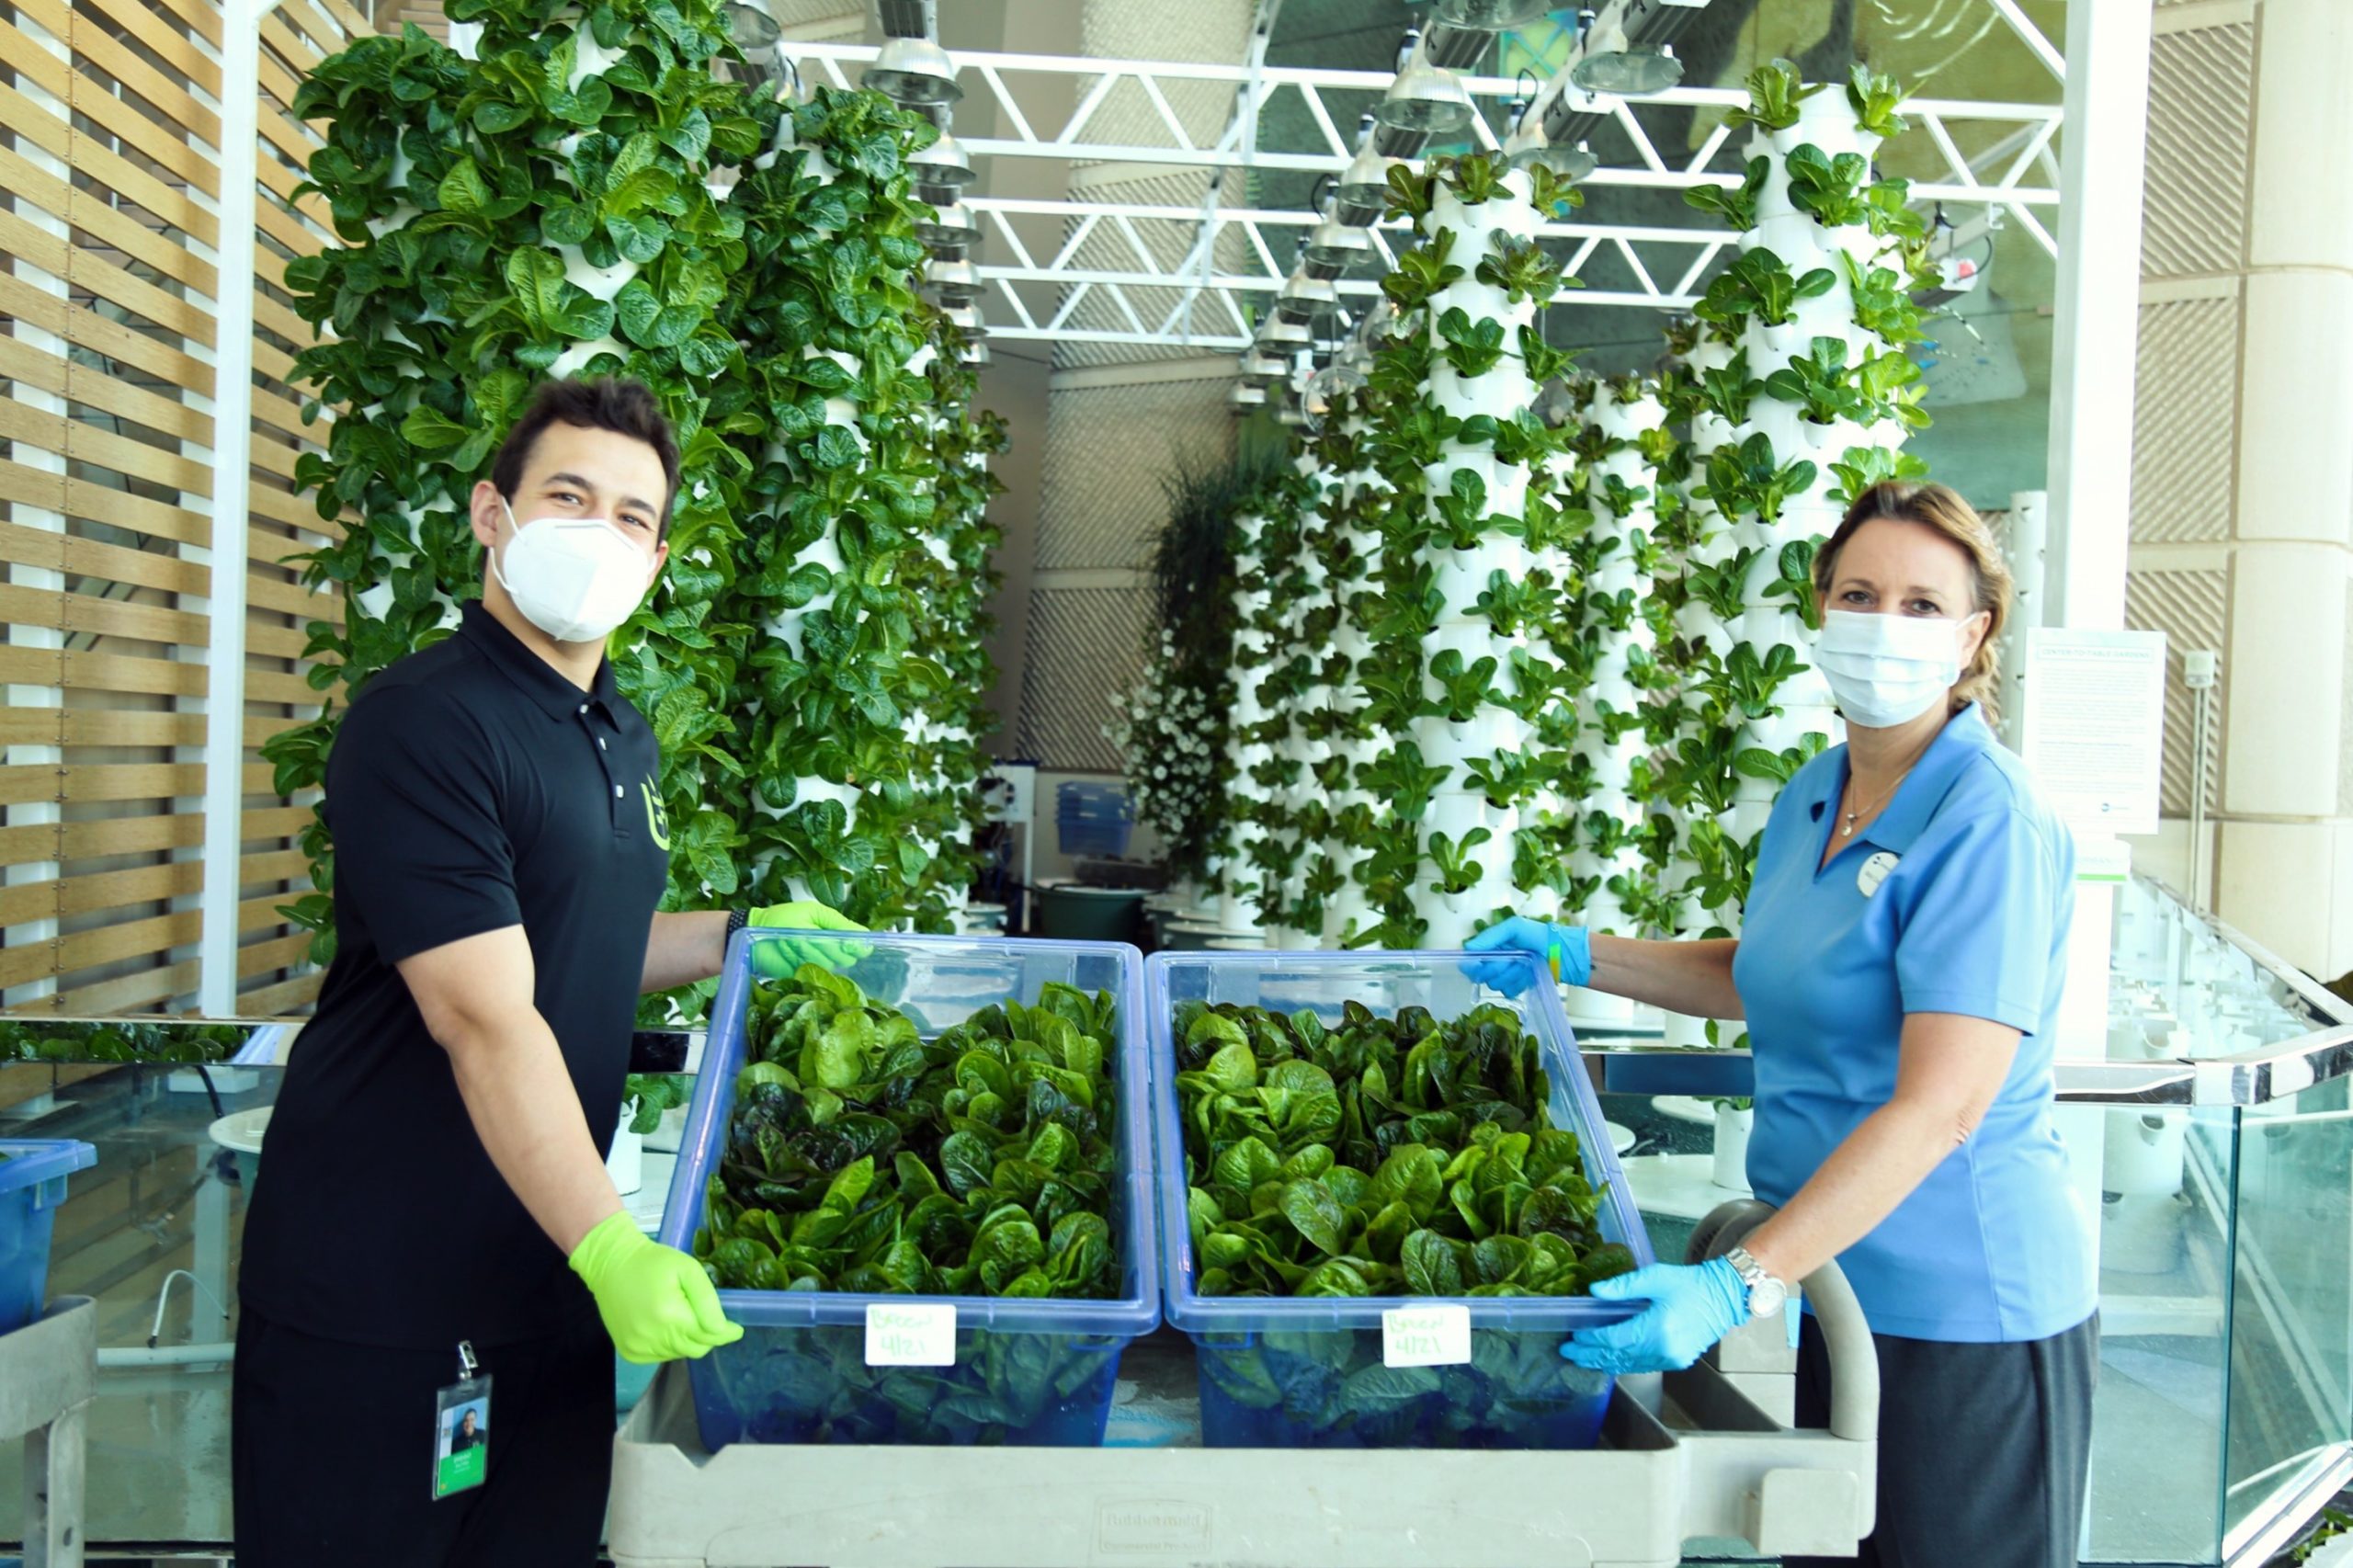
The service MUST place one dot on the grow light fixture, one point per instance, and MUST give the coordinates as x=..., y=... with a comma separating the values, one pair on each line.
x=1333, y=247
x=1363, y=190
x=1492, y=16
x=913, y=71
x=750, y=28
x=1528, y=146
x=950, y=225
x=1304, y=298
x=942, y=165
x=1243, y=400
x=1285, y=337
x=976, y=352
x=954, y=282
x=966, y=318
x=1258, y=368
x=1424, y=98
x=1614, y=60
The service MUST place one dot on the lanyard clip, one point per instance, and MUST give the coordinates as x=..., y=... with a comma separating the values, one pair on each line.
x=466, y=1363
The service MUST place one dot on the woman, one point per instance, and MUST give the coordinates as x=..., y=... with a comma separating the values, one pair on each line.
x=1900, y=966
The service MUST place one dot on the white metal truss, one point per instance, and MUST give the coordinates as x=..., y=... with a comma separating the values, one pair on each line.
x=2017, y=174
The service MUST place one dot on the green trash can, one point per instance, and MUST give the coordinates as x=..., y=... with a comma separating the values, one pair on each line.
x=1072, y=914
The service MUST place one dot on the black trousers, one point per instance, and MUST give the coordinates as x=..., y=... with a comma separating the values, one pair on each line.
x=332, y=1453
x=1984, y=1449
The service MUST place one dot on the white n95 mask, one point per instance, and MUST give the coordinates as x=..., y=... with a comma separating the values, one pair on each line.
x=574, y=578
x=1887, y=669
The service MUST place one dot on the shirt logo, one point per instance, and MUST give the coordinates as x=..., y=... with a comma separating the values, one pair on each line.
x=657, y=816
x=1874, y=872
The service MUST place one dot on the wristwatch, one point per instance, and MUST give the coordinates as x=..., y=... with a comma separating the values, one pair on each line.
x=737, y=919
x=1766, y=1295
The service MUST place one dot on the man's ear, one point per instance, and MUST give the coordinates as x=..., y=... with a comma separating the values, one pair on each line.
x=485, y=513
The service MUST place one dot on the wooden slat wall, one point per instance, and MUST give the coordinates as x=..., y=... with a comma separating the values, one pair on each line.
x=108, y=177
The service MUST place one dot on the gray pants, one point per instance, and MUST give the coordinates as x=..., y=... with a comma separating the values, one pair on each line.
x=1982, y=1448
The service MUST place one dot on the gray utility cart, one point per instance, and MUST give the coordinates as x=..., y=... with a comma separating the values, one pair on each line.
x=1710, y=1464
x=49, y=1374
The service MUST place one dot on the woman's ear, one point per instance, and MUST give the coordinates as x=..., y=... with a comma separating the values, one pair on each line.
x=1972, y=637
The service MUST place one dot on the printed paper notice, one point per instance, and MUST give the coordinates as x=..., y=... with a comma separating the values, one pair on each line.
x=1426, y=1336
x=911, y=1334
x=2095, y=724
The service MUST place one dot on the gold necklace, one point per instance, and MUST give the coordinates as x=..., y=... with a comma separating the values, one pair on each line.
x=1848, y=830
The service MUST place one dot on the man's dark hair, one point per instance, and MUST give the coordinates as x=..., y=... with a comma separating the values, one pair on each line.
x=624, y=407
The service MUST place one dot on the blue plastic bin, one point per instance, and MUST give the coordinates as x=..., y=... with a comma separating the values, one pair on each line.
x=1283, y=1374
x=32, y=1188
x=1093, y=819
x=1027, y=1371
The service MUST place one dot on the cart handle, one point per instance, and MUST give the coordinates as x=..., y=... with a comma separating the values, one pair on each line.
x=1854, y=1357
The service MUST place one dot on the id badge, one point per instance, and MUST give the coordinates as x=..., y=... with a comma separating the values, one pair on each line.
x=462, y=1430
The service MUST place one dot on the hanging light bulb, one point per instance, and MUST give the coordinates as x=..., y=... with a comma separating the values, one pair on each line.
x=1303, y=299
x=951, y=225
x=1259, y=367
x=913, y=71
x=1611, y=62
x=1333, y=247
x=1492, y=16
x=941, y=166
x=954, y=282
x=1426, y=100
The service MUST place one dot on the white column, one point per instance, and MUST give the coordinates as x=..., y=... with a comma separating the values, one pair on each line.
x=224, y=736
x=2098, y=312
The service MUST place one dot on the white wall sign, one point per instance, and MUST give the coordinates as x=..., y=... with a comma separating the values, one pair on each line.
x=2095, y=724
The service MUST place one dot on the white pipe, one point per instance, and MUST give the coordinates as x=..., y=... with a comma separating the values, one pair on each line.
x=221, y=1352
x=232, y=393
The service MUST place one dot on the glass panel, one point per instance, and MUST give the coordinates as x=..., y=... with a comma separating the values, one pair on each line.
x=2182, y=989
x=2165, y=1255
x=2292, y=1299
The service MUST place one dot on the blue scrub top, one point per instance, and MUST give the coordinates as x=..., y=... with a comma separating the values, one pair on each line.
x=1956, y=900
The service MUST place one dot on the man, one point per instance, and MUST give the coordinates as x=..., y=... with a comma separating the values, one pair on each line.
x=468, y=1434
x=436, y=1153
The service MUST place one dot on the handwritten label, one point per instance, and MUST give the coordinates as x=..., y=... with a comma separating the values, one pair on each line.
x=911, y=1334
x=1426, y=1336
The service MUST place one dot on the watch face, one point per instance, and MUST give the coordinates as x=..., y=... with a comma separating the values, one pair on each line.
x=1767, y=1296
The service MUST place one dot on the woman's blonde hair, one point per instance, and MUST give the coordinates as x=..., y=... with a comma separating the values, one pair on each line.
x=1935, y=507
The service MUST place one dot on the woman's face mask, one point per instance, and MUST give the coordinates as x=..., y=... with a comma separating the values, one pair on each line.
x=1886, y=670
x=574, y=578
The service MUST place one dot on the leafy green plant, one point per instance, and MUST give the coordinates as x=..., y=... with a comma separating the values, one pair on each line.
x=1760, y=284
x=1775, y=90
x=864, y=1157
x=647, y=1095
x=1735, y=205
x=1875, y=100
x=1411, y=193
x=1828, y=188
x=1883, y=305
x=1793, y=579
x=1821, y=382
x=1474, y=178
x=1750, y=478
x=1521, y=270
x=1421, y=273
x=1379, y=1157
x=1778, y=767
x=1552, y=193
x=1866, y=466
x=118, y=1039
x=1728, y=389
x=1890, y=384
x=1464, y=689
x=1457, y=870
x=1751, y=678
x=1473, y=348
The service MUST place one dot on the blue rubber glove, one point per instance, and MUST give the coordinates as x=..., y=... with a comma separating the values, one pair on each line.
x=1691, y=1309
x=776, y=957
x=1569, y=949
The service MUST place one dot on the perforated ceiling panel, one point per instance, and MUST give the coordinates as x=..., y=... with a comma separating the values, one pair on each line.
x=2184, y=429
x=2192, y=609
x=1108, y=451
x=2201, y=99
x=1084, y=644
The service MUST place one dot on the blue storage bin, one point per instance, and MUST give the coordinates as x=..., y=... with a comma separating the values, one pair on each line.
x=1027, y=1371
x=1093, y=819
x=1288, y=1373
x=32, y=1188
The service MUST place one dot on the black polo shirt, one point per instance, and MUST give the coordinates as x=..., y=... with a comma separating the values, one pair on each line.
x=471, y=787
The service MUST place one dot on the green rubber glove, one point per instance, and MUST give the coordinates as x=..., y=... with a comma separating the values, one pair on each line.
x=780, y=956
x=657, y=1303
